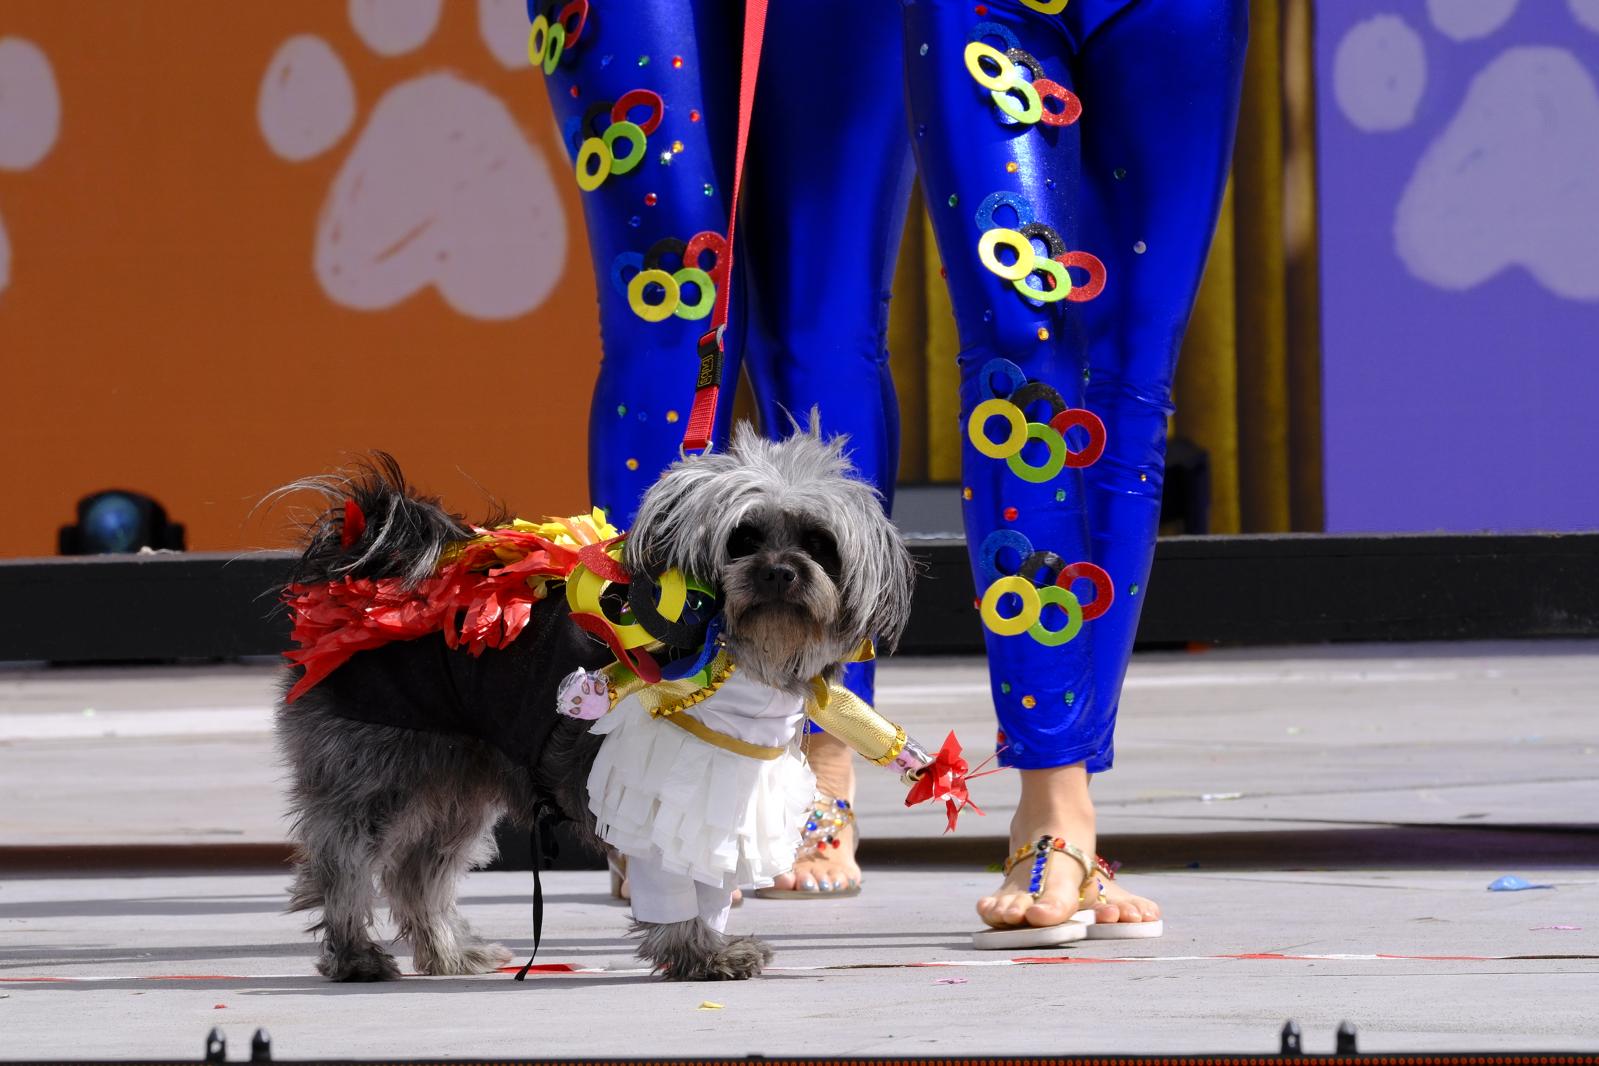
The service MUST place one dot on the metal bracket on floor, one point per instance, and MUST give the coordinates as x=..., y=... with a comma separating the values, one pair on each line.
x=1293, y=1042
x=216, y=1047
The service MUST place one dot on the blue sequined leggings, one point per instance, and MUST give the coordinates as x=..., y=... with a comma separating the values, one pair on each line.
x=827, y=177
x=1135, y=180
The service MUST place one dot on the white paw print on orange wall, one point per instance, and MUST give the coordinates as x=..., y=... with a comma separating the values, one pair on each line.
x=440, y=186
x=30, y=118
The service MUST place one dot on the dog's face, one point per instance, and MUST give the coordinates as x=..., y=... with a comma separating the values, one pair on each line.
x=807, y=562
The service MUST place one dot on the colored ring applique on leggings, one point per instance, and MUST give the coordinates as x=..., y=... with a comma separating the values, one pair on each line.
x=634, y=136
x=1096, y=274
x=1056, y=591
x=1085, y=419
x=1054, y=266
x=1046, y=7
x=1017, y=623
x=598, y=155
x=1012, y=405
x=996, y=542
x=640, y=98
x=1067, y=602
x=1057, y=288
x=623, y=267
x=988, y=251
x=1054, y=244
x=996, y=200
x=977, y=428
x=1039, y=563
x=593, y=164
x=1016, y=80
x=1014, y=378
x=1071, y=108
x=1036, y=391
x=554, y=48
x=1031, y=108
x=984, y=30
x=655, y=257
x=1025, y=59
x=550, y=35
x=699, y=244
x=706, y=287
x=579, y=8
x=1104, y=590
x=653, y=312
x=538, y=39
x=656, y=266
x=1053, y=466
x=979, y=57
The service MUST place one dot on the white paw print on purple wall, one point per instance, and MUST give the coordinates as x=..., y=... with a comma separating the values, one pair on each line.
x=30, y=119
x=1513, y=178
x=440, y=187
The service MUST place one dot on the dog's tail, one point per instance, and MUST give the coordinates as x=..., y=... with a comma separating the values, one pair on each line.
x=378, y=526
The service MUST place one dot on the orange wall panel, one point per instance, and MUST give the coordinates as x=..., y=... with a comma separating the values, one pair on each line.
x=163, y=329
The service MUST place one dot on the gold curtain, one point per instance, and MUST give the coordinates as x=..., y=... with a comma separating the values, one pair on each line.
x=1248, y=384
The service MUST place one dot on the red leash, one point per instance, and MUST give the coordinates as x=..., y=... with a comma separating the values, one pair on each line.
x=708, y=387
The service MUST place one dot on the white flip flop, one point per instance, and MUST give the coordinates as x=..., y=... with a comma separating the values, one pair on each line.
x=1127, y=930
x=1030, y=936
x=1098, y=930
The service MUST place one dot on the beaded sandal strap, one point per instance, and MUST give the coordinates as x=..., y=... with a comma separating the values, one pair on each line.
x=1040, y=851
x=825, y=822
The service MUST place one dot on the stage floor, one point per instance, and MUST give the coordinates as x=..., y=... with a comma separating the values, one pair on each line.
x=1321, y=826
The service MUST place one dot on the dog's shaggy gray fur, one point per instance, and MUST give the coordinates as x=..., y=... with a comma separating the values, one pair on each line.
x=809, y=566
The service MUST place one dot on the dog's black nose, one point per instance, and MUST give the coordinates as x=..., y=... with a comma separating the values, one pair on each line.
x=775, y=577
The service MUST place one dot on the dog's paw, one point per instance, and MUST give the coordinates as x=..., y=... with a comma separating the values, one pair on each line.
x=743, y=957
x=739, y=959
x=476, y=958
x=368, y=963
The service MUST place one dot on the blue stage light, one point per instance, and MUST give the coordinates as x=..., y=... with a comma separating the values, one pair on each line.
x=119, y=521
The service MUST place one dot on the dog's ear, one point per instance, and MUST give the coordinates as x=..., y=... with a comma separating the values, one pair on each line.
x=675, y=517
x=891, y=609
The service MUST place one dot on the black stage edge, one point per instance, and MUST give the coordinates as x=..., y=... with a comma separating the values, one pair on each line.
x=1291, y=589
x=1291, y=1052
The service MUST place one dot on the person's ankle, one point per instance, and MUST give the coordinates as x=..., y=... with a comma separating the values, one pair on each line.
x=1054, y=803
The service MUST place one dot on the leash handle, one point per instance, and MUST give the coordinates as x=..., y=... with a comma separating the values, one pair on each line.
x=708, y=386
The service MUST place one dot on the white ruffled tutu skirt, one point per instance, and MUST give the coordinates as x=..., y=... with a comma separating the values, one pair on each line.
x=720, y=818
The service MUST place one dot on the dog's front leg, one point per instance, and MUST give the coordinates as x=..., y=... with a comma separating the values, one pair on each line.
x=679, y=925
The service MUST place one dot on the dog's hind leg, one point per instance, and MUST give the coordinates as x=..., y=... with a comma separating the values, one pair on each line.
x=341, y=797
x=437, y=838
x=334, y=875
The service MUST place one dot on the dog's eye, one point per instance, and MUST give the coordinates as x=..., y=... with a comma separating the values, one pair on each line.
x=746, y=540
x=821, y=547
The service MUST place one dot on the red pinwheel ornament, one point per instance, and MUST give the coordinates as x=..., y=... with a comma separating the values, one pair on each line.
x=944, y=778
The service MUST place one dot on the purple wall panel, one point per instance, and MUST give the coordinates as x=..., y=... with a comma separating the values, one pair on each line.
x=1459, y=226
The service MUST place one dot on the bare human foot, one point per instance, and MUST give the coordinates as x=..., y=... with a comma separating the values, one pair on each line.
x=1055, y=804
x=827, y=868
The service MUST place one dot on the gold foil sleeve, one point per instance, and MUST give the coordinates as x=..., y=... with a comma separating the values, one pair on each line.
x=852, y=720
x=620, y=690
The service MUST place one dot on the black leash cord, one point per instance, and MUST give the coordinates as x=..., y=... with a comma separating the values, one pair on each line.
x=539, y=855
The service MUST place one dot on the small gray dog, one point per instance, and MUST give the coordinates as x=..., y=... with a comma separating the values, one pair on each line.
x=405, y=756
